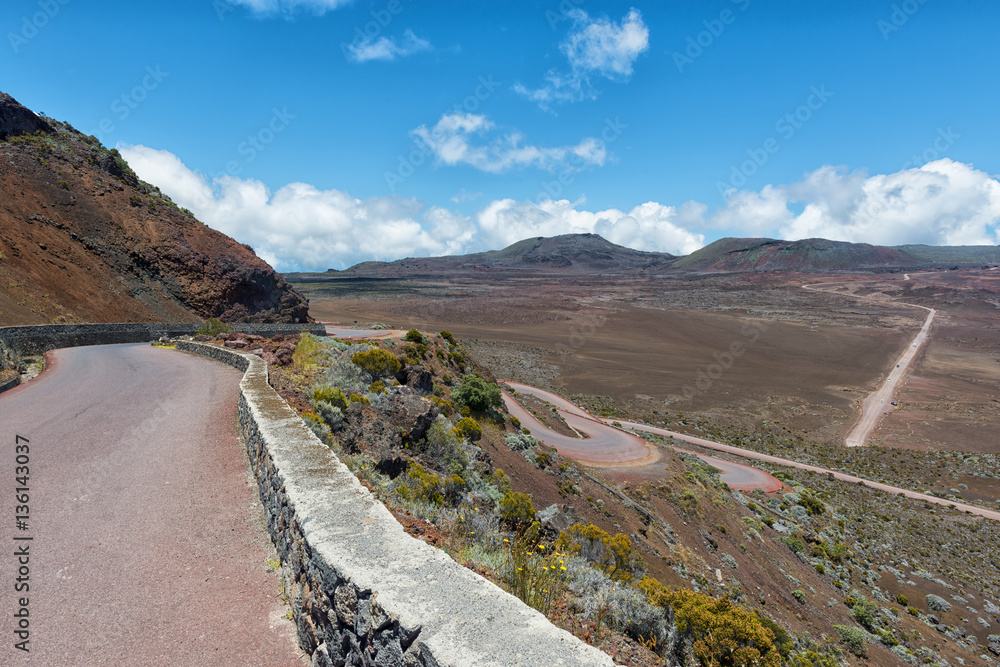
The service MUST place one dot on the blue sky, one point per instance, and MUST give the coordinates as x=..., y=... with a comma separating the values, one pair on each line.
x=327, y=132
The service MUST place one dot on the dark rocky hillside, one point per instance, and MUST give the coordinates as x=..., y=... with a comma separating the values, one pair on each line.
x=85, y=240
x=731, y=254
x=568, y=254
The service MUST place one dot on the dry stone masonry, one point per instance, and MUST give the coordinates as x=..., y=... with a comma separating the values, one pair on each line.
x=362, y=591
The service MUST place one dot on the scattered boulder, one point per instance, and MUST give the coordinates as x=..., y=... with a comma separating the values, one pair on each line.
x=555, y=519
x=419, y=380
x=382, y=431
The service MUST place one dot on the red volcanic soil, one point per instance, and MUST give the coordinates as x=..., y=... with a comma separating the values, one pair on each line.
x=807, y=374
x=85, y=241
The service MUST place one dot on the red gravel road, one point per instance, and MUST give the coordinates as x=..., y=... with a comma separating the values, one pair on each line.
x=148, y=546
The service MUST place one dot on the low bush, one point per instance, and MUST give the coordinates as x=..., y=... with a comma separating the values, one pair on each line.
x=377, y=362
x=477, y=394
x=937, y=603
x=213, y=327
x=865, y=612
x=520, y=442
x=723, y=633
x=414, y=336
x=612, y=554
x=516, y=510
x=853, y=638
x=468, y=429
x=306, y=351
x=334, y=397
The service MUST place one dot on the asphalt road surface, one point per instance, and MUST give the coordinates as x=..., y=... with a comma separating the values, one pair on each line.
x=608, y=445
x=147, y=544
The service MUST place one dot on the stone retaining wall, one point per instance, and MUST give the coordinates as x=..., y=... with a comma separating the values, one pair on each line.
x=41, y=338
x=363, y=592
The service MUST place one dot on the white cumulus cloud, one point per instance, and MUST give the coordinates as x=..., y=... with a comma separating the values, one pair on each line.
x=594, y=47
x=299, y=226
x=941, y=203
x=457, y=138
x=386, y=48
x=649, y=226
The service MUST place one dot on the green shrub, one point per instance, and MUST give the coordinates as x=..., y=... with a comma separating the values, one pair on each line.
x=516, y=510
x=447, y=407
x=306, y=351
x=477, y=394
x=812, y=503
x=612, y=554
x=865, y=612
x=358, y=398
x=902, y=600
x=500, y=480
x=782, y=640
x=213, y=327
x=454, y=487
x=800, y=596
x=415, y=336
x=448, y=337
x=853, y=638
x=543, y=460
x=425, y=485
x=377, y=387
x=377, y=362
x=415, y=353
x=723, y=634
x=468, y=429
x=794, y=544
x=334, y=397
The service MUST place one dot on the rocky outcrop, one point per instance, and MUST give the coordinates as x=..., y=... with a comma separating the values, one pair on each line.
x=382, y=431
x=16, y=119
x=85, y=240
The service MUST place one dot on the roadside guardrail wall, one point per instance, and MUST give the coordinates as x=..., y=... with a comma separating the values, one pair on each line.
x=362, y=591
x=41, y=338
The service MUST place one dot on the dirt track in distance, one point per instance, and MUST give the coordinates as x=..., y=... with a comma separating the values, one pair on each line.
x=805, y=374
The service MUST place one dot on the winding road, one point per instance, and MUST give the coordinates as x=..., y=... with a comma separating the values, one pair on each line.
x=880, y=401
x=566, y=409
x=147, y=541
x=606, y=445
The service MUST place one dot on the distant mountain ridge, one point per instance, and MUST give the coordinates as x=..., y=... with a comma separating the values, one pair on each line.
x=565, y=254
x=590, y=254
x=739, y=255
